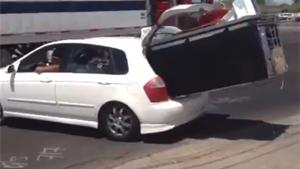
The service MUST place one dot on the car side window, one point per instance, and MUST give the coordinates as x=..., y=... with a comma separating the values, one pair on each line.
x=120, y=61
x=96, y=59
x=48, y=59
x=29, y=63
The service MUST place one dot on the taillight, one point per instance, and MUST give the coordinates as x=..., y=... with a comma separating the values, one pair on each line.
x=156, y=90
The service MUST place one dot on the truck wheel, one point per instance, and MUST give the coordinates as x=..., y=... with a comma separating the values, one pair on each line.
x=120, y=123
x=5, y=58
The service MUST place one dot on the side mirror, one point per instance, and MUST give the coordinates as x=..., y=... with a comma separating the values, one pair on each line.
x=11, y=69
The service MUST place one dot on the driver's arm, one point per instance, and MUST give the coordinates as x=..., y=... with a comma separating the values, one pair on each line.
x=50, y=68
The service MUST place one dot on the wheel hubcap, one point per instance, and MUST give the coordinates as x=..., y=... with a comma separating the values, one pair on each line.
x=119, y=121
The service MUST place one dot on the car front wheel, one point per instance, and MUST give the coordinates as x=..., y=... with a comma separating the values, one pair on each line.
x=120, y=123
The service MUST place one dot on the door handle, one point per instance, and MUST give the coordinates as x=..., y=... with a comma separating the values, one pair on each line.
x=46, y=80
x=104, y=83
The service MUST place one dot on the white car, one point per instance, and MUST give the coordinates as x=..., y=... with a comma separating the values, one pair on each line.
x=98, y=82
x=286, y=16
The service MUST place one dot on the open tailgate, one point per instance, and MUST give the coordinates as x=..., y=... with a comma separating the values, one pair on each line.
x=232, y=53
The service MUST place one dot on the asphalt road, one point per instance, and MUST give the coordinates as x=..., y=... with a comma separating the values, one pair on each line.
x=262, y=111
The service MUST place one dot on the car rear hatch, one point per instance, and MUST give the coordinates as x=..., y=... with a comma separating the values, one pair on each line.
x=232, y=53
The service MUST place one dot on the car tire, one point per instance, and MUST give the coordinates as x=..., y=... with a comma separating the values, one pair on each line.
x=1, y=116
x=119, y=123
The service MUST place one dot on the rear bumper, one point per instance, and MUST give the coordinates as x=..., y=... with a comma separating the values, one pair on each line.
x=168, y=115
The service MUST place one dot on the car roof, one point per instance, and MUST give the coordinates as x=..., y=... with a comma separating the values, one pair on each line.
x=123, y=43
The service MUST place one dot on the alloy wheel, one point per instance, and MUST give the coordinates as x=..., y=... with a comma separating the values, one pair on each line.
x=119, y=121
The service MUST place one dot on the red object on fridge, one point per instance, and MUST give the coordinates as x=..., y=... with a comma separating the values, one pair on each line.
x=212, y=17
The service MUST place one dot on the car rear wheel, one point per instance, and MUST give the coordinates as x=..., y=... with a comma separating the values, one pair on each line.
x=120, y=123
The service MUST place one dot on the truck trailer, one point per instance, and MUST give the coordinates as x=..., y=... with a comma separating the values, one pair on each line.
x=27, y=24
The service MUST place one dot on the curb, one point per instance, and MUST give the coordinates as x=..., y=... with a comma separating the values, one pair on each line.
x=214, y=153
